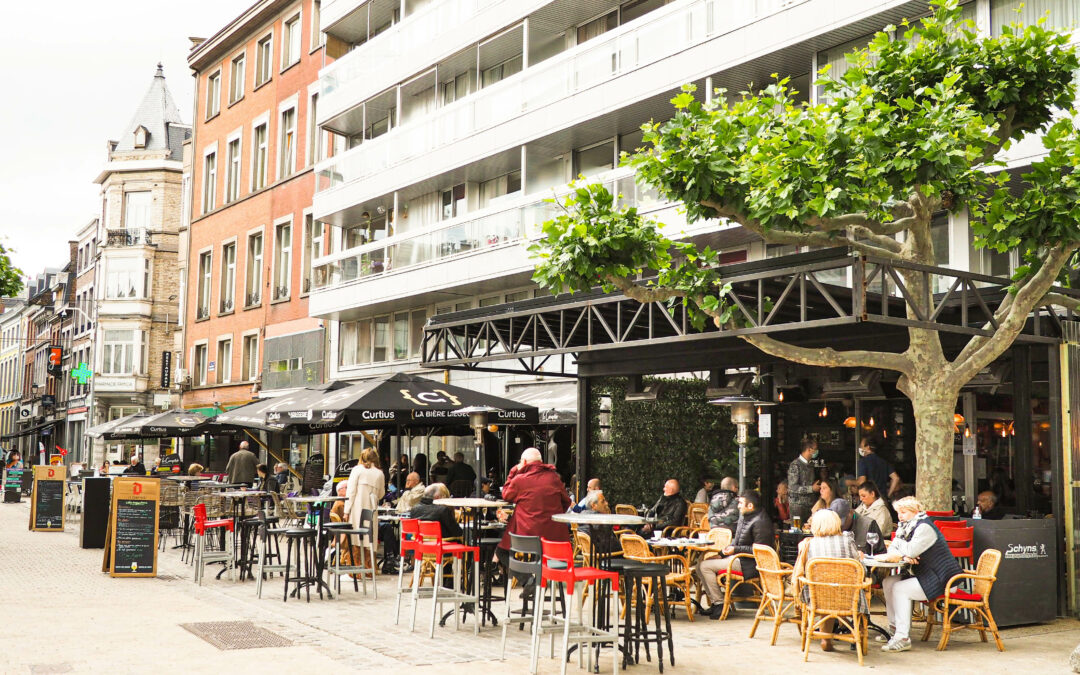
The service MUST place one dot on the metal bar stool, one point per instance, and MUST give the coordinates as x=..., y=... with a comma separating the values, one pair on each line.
x=267, y=536
x=524, y=561
x=641, y=579
x=431, y=543
x=303, y=540
x=410, y=539
x=346, y=530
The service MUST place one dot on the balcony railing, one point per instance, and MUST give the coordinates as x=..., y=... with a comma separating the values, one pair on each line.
x=366, y=62
x=487, y=229
x=668, y=31
x=133, y=237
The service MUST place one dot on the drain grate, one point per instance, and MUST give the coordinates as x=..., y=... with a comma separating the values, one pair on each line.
x=227, y=635
x=167, y=577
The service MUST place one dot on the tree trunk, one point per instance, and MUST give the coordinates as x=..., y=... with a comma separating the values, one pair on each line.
x=934, y=406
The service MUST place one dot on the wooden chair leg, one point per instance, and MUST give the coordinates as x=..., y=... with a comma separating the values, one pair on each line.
x=929, y=625
x=759, y=615
x=777, y=620
x=946, y=626
x=992, y=625
x=858, y=629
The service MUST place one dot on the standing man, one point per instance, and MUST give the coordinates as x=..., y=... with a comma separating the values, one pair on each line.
x=243, y=465
x=875, y=469
x=802, y=487
x=537, y=493
x=460, y=471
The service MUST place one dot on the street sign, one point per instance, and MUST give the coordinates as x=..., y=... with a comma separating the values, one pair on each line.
x=166, y=369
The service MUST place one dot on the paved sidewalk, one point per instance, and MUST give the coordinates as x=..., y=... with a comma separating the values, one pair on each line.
x=62, y=614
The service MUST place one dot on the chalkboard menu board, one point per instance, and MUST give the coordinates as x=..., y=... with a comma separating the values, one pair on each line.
x=313, y=473
x=47, y=505
x=13, y=479
x=95, y=512
x=131, y=548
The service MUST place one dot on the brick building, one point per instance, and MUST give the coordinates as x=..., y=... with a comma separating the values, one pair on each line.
x=251, y=238
x=136, y=280
x=80, y=348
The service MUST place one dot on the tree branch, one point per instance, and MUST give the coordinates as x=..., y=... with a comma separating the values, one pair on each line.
x=1061, y=300
x=1004, y=133
x=827, y=356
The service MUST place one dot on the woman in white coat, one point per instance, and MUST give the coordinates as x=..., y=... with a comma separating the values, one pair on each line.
x=366, y=488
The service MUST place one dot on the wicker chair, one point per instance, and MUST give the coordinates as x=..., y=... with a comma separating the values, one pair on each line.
x=680, y=573
x=626, y=509
x=835, y=585
x=694, y=513
x=977, y=602
x=777, y=595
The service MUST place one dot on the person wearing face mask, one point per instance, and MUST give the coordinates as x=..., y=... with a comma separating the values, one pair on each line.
x=876, y=470
x=802, y=487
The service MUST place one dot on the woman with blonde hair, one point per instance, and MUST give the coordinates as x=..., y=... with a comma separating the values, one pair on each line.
x=829, y=541
x=919, y=543
x=366, y=487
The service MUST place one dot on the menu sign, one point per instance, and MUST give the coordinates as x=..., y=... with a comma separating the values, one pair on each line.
x=132, y=539
x=47, y=504
x=13, y=485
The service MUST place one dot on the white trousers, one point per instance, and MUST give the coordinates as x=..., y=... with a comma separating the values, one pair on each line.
x=899, y=594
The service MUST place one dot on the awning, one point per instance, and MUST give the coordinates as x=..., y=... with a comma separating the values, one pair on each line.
x=253, y=415
x=26, y=432
x=100, y=430
x=556, y=401
x=176, y=423
x=391, y=400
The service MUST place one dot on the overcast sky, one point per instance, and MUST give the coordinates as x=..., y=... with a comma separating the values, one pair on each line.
x=74, y=73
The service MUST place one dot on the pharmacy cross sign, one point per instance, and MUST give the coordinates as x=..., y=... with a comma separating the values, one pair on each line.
x=82, y=374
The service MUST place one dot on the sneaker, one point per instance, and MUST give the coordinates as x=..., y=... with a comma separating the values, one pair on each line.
x=897, y=645
x=882, y=639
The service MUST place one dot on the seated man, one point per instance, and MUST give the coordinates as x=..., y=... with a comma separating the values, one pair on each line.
x=724, y=507
x=592, y=486
x=602, y=536
x=669, y=510
x=413, y=493
x=754, y=527
x=988, y=508
x=427, y=509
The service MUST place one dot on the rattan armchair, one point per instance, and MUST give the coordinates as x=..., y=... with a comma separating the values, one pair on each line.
x=977, y=601
x=680, y=574
x=777, y=593
x=835, y=586
x=626, y=509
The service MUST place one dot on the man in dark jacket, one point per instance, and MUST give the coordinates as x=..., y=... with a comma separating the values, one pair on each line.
x=427, y=509
x=803, y=487
x=242, y=467
x=724, y=506
x=136, y=468
x=754, y=527
x=460, y=471
x=669, y=510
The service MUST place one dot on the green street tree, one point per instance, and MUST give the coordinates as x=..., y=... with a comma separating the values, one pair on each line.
x=912, y=128
x=10, y=276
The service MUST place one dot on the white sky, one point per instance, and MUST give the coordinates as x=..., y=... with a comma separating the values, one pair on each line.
x=73, y=73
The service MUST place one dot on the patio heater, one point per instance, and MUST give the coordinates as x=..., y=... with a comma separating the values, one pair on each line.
x=478, y=421
x=743, y=414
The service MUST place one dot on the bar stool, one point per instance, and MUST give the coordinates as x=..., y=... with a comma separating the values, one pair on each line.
x=267, y=536
x=303, y=540
x=410, y=538
x=557, y=567
x=640, y=580
x=431, y=543
x=203, y=527
x=524, y=560
x=336, y=569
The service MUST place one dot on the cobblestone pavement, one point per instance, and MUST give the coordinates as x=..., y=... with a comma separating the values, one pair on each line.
x=62, y=614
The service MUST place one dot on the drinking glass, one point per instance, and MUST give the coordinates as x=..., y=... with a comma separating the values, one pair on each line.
x=872, y=539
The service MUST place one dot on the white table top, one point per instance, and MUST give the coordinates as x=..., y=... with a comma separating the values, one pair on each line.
x=682, y=542
x=598, y=519
x=187, y=479
x=471, y=502
x=317, y=499
x=872, y=562
x=240, y=494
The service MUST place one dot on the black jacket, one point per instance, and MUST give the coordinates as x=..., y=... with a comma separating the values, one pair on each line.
x=669, y=511
x=757, y=528
x=444, y=515
x=136, y=470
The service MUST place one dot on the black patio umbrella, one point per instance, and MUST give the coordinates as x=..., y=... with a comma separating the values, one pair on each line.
x=392, y=401
x=99, y=431
x=176, y=423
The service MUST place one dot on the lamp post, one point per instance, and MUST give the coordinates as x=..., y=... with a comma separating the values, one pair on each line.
x=743, y=414
x=478, y=421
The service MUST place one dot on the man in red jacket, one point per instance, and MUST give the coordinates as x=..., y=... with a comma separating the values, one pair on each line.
x=538, y=494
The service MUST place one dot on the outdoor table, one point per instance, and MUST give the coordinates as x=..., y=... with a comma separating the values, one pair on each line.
x=237, y=497
x=320, y=539
x=187, y=479
x=473, y=508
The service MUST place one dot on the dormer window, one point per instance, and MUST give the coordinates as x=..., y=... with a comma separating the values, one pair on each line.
x=140, y=137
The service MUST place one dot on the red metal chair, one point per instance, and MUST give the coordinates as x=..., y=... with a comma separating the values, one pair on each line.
x=410, y=535
x=940, y=514
x=961, y=541
x=430, y=543
x=939, y=524
x=204, y=527
x=557, y=567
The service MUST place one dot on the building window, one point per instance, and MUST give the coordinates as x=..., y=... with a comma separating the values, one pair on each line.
x=264, y=57
x=251, y=357
x=118, y=352
x=232, y=171
x=254, y=270
x=501, y=71
x=259, y=158
x=453, y=202
x=213, y=94
x=137, y=210
x=227, y=293
x=290, y=42
x=199, y=365
x=205, y=271
x=224, y=361
x=127, y=278
x=316, y=29
x=499, y=187
x=313, y=240
x=282, y=261
x=595, y=159
x=287, y=144
x=381, y=341
x=315, y=135
x=455, y=89
x=285, y=365
x=209, y=181
x=236, y=78
x=597, y=27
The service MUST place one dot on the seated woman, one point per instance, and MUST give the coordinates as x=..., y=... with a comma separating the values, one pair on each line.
x=829, y=541
x=919, y=543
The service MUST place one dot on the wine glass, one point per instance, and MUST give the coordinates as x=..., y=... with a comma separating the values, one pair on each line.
x=872, y=539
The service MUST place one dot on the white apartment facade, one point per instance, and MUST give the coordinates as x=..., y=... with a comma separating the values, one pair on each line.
x=461, y=117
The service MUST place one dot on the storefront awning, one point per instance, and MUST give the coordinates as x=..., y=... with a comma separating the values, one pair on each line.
x=555, y=401
x=26, y=432
x=101, y=429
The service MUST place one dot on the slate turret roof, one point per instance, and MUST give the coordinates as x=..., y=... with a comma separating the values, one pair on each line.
x=160, y=117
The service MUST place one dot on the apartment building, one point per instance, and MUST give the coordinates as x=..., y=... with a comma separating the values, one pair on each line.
x=133, y=252
x=252, y=237
x=11, y=339
x=462, y=117
x=80, y=346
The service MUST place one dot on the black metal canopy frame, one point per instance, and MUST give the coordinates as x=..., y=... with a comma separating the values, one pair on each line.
x=540, y=334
